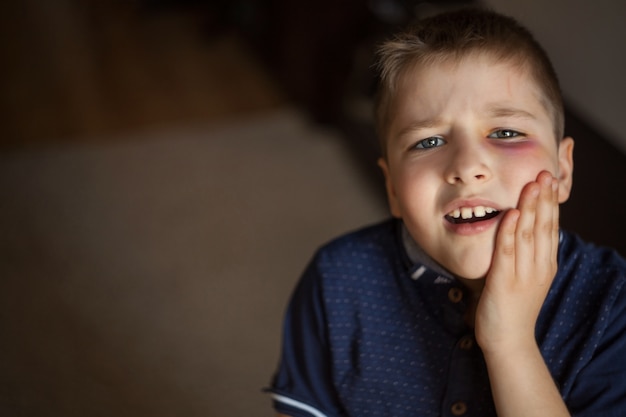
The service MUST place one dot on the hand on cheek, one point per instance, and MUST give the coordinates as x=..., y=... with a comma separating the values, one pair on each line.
x=524, y=265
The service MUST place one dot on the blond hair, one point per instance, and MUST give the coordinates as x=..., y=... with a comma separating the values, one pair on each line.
x=454, y=35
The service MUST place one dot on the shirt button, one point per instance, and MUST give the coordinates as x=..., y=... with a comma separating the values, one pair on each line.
x=458, y=408
x=466, y=343
x=455, y=295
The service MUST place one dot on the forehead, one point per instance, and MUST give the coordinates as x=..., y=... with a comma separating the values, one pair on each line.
x=477, y=83
x=479, y=74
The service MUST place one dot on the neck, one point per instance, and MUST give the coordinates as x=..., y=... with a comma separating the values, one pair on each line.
x=474, y=286
x=475, y=289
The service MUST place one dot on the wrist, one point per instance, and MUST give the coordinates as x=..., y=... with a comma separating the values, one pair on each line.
x=508, y=348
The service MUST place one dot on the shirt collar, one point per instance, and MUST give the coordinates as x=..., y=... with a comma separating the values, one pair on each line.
x=417, y=256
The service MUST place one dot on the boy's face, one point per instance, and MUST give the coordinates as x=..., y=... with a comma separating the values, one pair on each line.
x=463, y=140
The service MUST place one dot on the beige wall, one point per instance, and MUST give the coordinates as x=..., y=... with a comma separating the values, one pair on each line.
x=147, y=277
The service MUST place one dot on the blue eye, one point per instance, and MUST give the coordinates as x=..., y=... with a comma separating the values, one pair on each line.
x=431, y=142
x=504, y=134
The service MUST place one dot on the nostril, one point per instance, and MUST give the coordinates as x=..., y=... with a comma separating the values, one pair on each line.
x=467, y=176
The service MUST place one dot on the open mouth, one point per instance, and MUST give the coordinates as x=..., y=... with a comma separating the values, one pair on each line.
x=471, y=214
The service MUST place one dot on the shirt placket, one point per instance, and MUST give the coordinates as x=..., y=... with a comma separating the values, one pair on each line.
x=466, y=369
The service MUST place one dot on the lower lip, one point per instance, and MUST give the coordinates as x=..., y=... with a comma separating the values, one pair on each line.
x=468, y=229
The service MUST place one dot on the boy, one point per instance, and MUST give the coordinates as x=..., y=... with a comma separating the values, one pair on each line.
x=458, y=306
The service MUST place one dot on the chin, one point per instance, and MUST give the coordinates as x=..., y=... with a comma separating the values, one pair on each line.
x=471, y=271
x=472, y=264
x=472, y=277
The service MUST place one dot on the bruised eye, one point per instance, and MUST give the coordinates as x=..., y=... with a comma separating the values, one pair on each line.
x=504, y=134
x=431, y=142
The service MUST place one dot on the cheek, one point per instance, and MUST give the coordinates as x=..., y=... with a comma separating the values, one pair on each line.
x=521, y=166
x=527, y=159
x=416, y=186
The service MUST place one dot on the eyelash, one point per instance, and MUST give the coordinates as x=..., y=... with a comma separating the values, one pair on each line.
x=511, y=134
x=427, y=143
x=436, y=141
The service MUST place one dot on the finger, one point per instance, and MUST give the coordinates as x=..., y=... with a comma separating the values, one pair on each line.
x=525, y=231
x=504, y=253
x=544, y=225
x=555, y=225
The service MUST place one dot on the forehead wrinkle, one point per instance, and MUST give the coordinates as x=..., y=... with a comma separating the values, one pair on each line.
x=499, y=111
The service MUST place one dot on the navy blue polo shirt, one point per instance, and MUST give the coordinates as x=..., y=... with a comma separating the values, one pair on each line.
x=375, y=328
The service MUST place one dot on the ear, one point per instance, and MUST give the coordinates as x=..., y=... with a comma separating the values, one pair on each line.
x=566, y=168
x=392, y=198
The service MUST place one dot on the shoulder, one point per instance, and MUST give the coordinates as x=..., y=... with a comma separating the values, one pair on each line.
x=363, y=259
x=583, y=333
x=343, y=269
x=587, y=299
x=370, y=245
x=365, y=237
x=590, y=281
x=589, y=262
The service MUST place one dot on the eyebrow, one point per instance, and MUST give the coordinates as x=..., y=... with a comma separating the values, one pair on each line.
x=493, y=110
x=417, y=125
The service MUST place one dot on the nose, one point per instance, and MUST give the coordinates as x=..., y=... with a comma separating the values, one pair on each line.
x=469, y=163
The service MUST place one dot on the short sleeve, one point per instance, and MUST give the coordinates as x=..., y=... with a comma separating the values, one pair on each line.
x=302, y=385
x=600, y=388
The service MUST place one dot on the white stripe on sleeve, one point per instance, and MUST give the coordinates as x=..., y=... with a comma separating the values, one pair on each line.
x=297, y=404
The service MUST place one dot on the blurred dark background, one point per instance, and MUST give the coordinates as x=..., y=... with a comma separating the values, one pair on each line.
x=167, y=168
x=321, y=54
x=74, y=71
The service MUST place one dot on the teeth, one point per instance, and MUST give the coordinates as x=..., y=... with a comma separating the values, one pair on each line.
x=469, y=212
x=466, y=213
x=479, y=211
